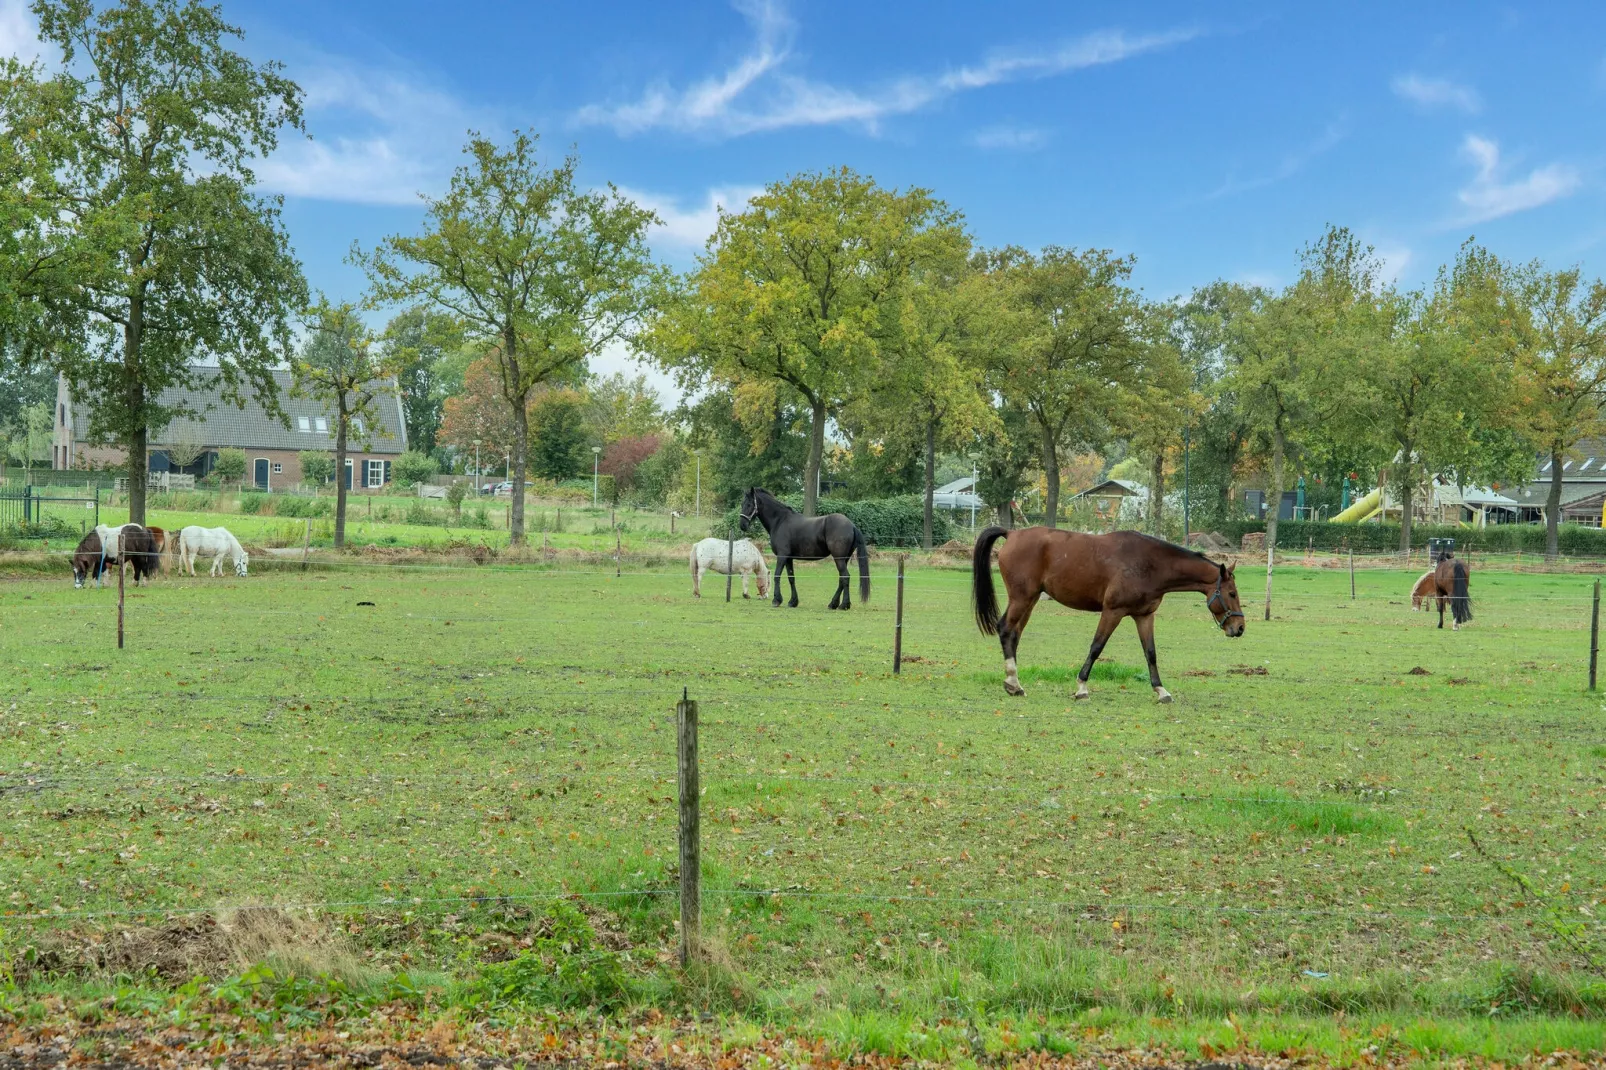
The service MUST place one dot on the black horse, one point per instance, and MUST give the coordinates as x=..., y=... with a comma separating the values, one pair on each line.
x=795, y=537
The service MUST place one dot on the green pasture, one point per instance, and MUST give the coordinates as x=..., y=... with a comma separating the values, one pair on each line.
x=1291, y=839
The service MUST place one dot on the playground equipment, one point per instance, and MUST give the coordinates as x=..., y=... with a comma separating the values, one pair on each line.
x=1363, y=509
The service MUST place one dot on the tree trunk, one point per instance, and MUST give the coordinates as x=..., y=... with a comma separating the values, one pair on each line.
x=811, y=471
x=1407, y=493
x=1051, y=472
x=931, y=479
x=1157, y=492
x=1274, y=507
x=521, y=460
x=138, y=443
x=1006, y=517
x=1553, y=506
x=340, y=474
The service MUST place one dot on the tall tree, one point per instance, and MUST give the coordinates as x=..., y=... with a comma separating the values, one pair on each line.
x=1157, y=404
x=1004, y=451
x=421, y=343
x=797, y=294
x=158, y=254
x=540, y=271
x=1561, y=354
x=1067, y=342
x=341, y=364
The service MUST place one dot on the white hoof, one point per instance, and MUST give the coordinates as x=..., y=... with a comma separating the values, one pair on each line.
x=1081, y=690
x=1162, y=695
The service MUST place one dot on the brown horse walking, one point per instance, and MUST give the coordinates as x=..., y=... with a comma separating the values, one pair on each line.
x=1450, y=585
x=1122, y=574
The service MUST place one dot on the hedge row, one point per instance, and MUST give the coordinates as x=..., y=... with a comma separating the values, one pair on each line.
x=884, y=521
x=1574, y=539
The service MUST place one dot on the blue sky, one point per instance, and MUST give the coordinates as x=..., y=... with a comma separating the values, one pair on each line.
x=1211, y=141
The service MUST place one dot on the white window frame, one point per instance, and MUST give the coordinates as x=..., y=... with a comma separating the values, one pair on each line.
x=356, y=426
x=373, y=473
x=304, y=424
x=322, y=425
x=276, y=468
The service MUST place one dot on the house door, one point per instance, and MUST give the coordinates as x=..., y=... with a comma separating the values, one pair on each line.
x=262, y=473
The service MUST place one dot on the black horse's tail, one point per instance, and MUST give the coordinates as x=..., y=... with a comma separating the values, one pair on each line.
x=1460, y=601
x=863, y=551
x=983, y=598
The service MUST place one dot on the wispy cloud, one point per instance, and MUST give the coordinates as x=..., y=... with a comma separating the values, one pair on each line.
x=1488, y=197
x=760, y=92
x=689, y=228
x=1016, y=138
x=1432, y=93
x=1287, y=168
x=378, y=137
x=18, y=34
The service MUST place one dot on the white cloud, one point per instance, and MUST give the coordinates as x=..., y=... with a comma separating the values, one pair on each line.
x=617, y=357
x=378, y=137
x=1395, y=259
x=759, y=93
x=18, y=35
x=1430, y=93
x=1287, y=168
x=1024, y=139
x=1487, y=197
x=690, y=227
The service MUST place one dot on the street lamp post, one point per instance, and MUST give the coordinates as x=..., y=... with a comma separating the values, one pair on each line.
x=476, y=467
x=596, y=461
x=972, y=494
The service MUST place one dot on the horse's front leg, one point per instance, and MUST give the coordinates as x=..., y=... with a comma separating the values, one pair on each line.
x=1441, y=610
x=1101, y=635
x=697, y=580
x=780, y=570
x=744, y=583
x=1145, y=626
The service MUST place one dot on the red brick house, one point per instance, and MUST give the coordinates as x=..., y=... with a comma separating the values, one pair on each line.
x=272, y=450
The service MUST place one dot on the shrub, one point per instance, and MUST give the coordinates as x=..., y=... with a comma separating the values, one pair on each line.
x=255, y=503
x=317, y=466
x=455, y=495
x=884, y=521
x=230, y=465
x=1293, y=535
x=565, y=968
x=293, y=505
x=413, y=468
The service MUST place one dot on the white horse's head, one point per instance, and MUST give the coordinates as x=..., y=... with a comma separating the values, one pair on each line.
x=240, y=563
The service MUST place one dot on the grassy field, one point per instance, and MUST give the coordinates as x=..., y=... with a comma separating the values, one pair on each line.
x=1282, y=859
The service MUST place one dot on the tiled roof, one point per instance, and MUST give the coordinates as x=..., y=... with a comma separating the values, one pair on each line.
x=222, y=424
x=1586, y=461
x=1535, y=494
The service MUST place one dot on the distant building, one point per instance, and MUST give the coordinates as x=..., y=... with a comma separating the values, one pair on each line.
x=1583, y=486
x=960, y=494
x=272, y=451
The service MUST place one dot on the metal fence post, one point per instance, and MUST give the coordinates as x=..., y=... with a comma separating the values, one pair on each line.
x=306, y=544
x=1352, y=574
x=897, y=628
x=691, y=914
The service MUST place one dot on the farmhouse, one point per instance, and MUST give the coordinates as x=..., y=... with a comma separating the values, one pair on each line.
x=272, y=449
x=1583, y=486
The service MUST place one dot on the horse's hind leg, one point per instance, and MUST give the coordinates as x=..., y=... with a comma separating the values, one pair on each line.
x=1101, y=635
x=1146, y=637
x=1441, y=610
x=1010, y=627
x=844, y=589
x=791, y=579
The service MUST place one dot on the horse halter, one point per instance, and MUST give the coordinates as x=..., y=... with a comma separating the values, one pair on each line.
x=748, y=518
x=1226, y=613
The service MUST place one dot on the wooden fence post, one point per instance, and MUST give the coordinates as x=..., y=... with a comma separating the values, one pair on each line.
x=1594, y=635
x=119, y=599
x=618, y=553
x=306, y=545
x=691, y=915
x=897, y=628
x=730, y=565
x=1270, y=550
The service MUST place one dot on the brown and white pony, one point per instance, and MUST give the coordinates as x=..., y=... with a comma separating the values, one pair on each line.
x=1121, y=574
x=1450, y=585
x=1422, y=590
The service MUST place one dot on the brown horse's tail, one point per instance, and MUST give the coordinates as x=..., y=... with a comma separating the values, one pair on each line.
x=983, y=598
x=1460, y=600
x=864, y=564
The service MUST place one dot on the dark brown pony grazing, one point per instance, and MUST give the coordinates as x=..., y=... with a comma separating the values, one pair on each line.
x=87, y=560
x=1122, y=574
x=1450, y=585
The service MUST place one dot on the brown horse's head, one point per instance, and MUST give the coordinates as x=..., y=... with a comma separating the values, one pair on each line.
x=1224, y=604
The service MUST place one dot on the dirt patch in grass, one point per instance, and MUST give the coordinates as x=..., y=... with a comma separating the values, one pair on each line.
x=1250, y=670
x=1419, y=671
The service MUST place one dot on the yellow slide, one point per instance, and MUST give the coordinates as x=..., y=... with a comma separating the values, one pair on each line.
x=1361, y=510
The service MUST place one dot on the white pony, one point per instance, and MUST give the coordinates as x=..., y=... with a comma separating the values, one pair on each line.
x=196, y=540
x=711, y=555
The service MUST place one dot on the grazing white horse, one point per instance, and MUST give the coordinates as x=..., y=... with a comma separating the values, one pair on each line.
x=196, y=540
x=711, y=555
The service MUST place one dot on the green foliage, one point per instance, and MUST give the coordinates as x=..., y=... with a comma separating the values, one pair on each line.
x=888, y=522
x=456, y=493
x=230, y=465
x=560, y=445
x=317, y=466
x=566, y=968
x=413, y=468
x=255, y=503
x=426, y=349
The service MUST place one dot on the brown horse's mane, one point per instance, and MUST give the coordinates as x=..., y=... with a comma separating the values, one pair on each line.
x=1181, y=551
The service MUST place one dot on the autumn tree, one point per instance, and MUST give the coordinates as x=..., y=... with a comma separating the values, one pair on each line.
x=157, y=252
x=540, y=271
x=480, y=410
x=341, y=364
x=796, y=297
